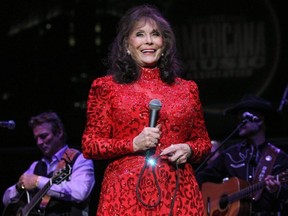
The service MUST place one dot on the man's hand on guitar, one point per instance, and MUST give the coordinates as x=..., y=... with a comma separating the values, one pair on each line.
x=28, y=181
x=272, y=184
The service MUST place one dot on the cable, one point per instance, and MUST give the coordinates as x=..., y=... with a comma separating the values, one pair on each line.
x=175, y=191
x=156, y=182
x=147, y=158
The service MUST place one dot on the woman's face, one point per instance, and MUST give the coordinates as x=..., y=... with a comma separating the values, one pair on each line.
x=145, y=43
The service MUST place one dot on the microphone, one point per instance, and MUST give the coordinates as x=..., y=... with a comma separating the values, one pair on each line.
x=154, y=106
x=8, y=124
x=250, y=117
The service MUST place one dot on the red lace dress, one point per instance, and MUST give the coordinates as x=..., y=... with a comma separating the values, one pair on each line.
x=116, y=113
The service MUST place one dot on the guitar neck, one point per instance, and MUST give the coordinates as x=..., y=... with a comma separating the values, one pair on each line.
x=246, y=192
x=36, y=198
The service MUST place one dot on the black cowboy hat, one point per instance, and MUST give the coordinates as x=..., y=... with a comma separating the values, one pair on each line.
x=252, y=102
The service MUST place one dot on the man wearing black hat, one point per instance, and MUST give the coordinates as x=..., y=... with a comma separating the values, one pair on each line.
x=254, y=164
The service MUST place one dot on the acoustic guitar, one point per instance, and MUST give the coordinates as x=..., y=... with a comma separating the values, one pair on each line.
x=231, y=198
x=25, y=204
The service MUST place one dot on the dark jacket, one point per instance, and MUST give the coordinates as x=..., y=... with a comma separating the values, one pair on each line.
x=240, y=160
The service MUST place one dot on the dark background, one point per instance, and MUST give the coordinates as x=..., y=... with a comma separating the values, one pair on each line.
x=51, y=51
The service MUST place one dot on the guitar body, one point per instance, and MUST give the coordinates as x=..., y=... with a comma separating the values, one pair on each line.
x=216, y=200
x=24, y=205
x=16, y=206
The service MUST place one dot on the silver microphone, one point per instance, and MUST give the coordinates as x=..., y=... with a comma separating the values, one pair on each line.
x=154, y=107
x=8, y=124
x=249, y=116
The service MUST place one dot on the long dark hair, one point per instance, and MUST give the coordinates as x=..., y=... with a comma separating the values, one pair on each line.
x=123, y=68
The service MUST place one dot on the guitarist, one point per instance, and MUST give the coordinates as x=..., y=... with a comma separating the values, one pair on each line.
x=71, y=196
x=243, y=160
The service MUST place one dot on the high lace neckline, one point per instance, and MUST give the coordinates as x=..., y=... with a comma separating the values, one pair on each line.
x=150, y=73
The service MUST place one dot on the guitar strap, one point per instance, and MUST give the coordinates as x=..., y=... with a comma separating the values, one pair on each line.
x=265, y=166
x=69, y=156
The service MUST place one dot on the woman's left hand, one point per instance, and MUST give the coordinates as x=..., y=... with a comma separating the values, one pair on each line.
x=178, y=153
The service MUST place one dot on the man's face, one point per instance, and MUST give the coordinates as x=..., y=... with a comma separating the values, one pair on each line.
x=48, y=142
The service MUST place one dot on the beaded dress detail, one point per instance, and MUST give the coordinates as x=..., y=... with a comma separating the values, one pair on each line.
x=116, y=113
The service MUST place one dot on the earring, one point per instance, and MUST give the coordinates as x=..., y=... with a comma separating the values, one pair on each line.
x=162, y=54
x=128, y=52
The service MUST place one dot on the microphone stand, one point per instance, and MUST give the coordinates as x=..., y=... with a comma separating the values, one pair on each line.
x=284, y=100
x=222, y=144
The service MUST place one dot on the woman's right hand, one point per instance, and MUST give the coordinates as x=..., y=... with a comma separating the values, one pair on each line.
x=147, y=139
